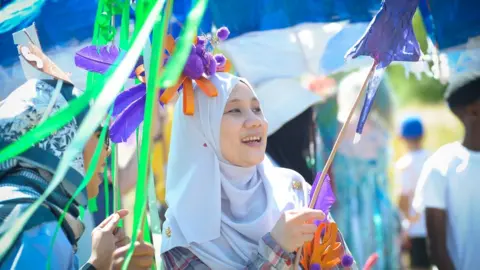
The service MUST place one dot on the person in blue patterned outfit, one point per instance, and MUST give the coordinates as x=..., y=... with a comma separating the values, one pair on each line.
x=227, y=209
x=24, y=178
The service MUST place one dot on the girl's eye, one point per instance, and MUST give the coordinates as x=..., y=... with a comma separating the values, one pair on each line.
x=257, y=109
x=234, y=111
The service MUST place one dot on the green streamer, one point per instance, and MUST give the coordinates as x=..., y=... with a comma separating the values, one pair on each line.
x=117, y=77
x=139, y=208
x=92, y=205
x=81, y=214
x=139, y=17
x=117, y=199
x=155, y=223
x=146, y=233
x=88, y=176
x=107, y=195
x=169, y=77
x=125, y=26
x=124, y=38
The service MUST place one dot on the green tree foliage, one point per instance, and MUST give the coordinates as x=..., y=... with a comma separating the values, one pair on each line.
x=410, y=90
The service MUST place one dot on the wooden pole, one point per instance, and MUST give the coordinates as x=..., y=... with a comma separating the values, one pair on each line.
x=340, y=136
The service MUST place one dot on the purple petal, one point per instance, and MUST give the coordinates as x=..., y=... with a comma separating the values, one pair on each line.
x=390, y=36
x=96, y=59
x=326, y=197
x=220, y=59
x=194, y=66
x=127, y=97
x=100, y=58
x=223, y=33
x=210, y=64
x=201, y=41
x=128, y=121
x=200, y=50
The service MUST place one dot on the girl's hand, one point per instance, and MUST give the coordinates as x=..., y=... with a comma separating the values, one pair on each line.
x=296, y=227
x=104, y=240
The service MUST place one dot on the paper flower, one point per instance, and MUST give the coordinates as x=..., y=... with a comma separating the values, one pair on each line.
x=389, y=37
x=223, y=33
x=129, y=106
x=200, y=64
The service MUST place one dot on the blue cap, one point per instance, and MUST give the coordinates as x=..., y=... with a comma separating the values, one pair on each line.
x=412, y=128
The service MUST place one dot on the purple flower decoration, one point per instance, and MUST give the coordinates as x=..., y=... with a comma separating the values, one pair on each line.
x=220, y=59
x=210, y=64
x=194, y=67
x=129, y=106
x=201, y=42
x=389, y=37
x=326, y=197
x=223, y=33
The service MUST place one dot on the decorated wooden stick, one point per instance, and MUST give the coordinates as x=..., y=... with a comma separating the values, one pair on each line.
x=334, y=150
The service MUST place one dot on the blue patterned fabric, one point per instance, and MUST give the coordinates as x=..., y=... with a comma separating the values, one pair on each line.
x=25, y=177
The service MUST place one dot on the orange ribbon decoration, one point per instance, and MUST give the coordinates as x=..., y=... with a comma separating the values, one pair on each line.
x=203, y=83
x=325, y=251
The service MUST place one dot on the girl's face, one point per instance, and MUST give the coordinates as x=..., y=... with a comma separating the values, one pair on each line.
x=243, y=130
x=92, y=187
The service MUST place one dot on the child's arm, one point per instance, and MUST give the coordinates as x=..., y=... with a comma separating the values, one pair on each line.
x=437, y=236
x=430, y=196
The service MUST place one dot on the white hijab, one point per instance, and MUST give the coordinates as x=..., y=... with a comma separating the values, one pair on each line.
x=217, y=210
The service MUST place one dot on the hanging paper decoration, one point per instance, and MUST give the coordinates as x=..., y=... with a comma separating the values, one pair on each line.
x=389, y=37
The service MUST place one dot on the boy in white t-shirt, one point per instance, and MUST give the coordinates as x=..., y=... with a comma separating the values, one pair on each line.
x=449, y=186
x=408, y=169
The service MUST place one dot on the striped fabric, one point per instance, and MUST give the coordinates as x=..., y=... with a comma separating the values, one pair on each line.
x=270, y=256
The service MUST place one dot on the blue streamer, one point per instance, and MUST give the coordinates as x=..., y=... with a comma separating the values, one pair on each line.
x=369, y=98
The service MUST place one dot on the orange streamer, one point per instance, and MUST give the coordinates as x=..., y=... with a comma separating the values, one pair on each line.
x=228, y=66
x=169, y=44
x=207, y=87
x=171, y=91
x=188, y=98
